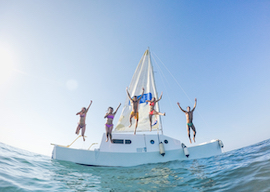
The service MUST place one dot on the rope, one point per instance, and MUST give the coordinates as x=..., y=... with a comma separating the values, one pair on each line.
x=173, y=78
x=177, y=84
x=164, y=77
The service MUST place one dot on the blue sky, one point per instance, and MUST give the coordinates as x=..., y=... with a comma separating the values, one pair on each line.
x=56, y=56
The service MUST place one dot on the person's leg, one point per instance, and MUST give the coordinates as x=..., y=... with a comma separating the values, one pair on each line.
x=107, y=133
x=111, y=128
x=163, y=114
x=77, y=130
x=111, y=137
x=150, y=119
x=194, y=132
x=130, y=119
x=158, y=113
x=83, y=130
x=188, y=130
x=136, y=126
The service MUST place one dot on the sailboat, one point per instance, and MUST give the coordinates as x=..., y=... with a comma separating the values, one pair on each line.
x=127, y=149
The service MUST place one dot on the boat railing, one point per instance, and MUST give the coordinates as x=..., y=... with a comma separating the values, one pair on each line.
x=92, y=145
x=74, y=142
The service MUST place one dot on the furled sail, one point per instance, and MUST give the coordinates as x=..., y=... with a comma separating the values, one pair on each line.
x=142, y=78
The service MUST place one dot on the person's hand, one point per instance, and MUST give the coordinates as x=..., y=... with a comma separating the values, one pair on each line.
x=143, y=89
x=178, y=103
x=195, y=99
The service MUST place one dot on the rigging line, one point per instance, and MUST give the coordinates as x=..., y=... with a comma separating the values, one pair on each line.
x=181, y=88
x=163, y=82
x=174, y=78
x=161, y=71
x=159, y=108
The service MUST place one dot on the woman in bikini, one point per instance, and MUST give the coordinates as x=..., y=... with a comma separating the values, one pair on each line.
x=109, y=124
x=152, y=112
x=81, y=124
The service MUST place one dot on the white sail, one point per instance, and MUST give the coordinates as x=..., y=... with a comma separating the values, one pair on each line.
x=142, y=78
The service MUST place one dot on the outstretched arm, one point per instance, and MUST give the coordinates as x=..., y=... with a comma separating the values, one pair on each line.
x=128, y=93
x=117, y=109
x=142, y=94
x=181, y=108
x=88, y=106
x=195, y=104
x=160, y=97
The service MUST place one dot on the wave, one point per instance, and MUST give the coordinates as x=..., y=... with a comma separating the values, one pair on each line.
x=245, y=169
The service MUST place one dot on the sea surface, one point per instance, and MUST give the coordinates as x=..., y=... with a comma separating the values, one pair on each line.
x=245, y=169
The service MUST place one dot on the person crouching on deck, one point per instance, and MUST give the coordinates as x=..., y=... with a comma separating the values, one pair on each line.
x=135, y=108
x=81, y=124
x=152, y=112
x=109, y=124
x=189, y=117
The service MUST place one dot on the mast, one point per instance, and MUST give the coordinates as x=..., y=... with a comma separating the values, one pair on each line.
x=155, y=91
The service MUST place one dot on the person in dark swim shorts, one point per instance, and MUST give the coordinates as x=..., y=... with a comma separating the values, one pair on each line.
x=189, y=116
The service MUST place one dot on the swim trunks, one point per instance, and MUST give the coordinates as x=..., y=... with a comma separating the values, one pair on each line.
x=190, y=124
x=135, y=115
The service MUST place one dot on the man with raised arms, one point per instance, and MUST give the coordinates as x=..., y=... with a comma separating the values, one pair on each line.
x=135, y=108
x=189, y=116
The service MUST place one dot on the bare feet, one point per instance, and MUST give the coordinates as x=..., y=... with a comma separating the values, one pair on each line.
x=107, y=140
x=129, y=125
x=190, y=141
x=194, y=139
x=83, y=138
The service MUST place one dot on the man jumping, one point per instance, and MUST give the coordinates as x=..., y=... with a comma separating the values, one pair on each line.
x=135, y=108
x=189, y=116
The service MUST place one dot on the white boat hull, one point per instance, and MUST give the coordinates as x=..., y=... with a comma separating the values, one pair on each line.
x=142, y=149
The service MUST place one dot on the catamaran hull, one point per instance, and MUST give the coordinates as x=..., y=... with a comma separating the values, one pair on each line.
x=124, y=159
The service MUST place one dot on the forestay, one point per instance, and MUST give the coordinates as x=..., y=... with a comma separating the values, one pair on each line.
x=142, y=78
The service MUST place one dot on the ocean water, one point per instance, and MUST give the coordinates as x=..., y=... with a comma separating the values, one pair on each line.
x=245, y=169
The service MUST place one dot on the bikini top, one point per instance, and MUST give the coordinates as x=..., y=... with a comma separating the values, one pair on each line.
x=82, y=115
x=152, y=103
x=110, y=116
